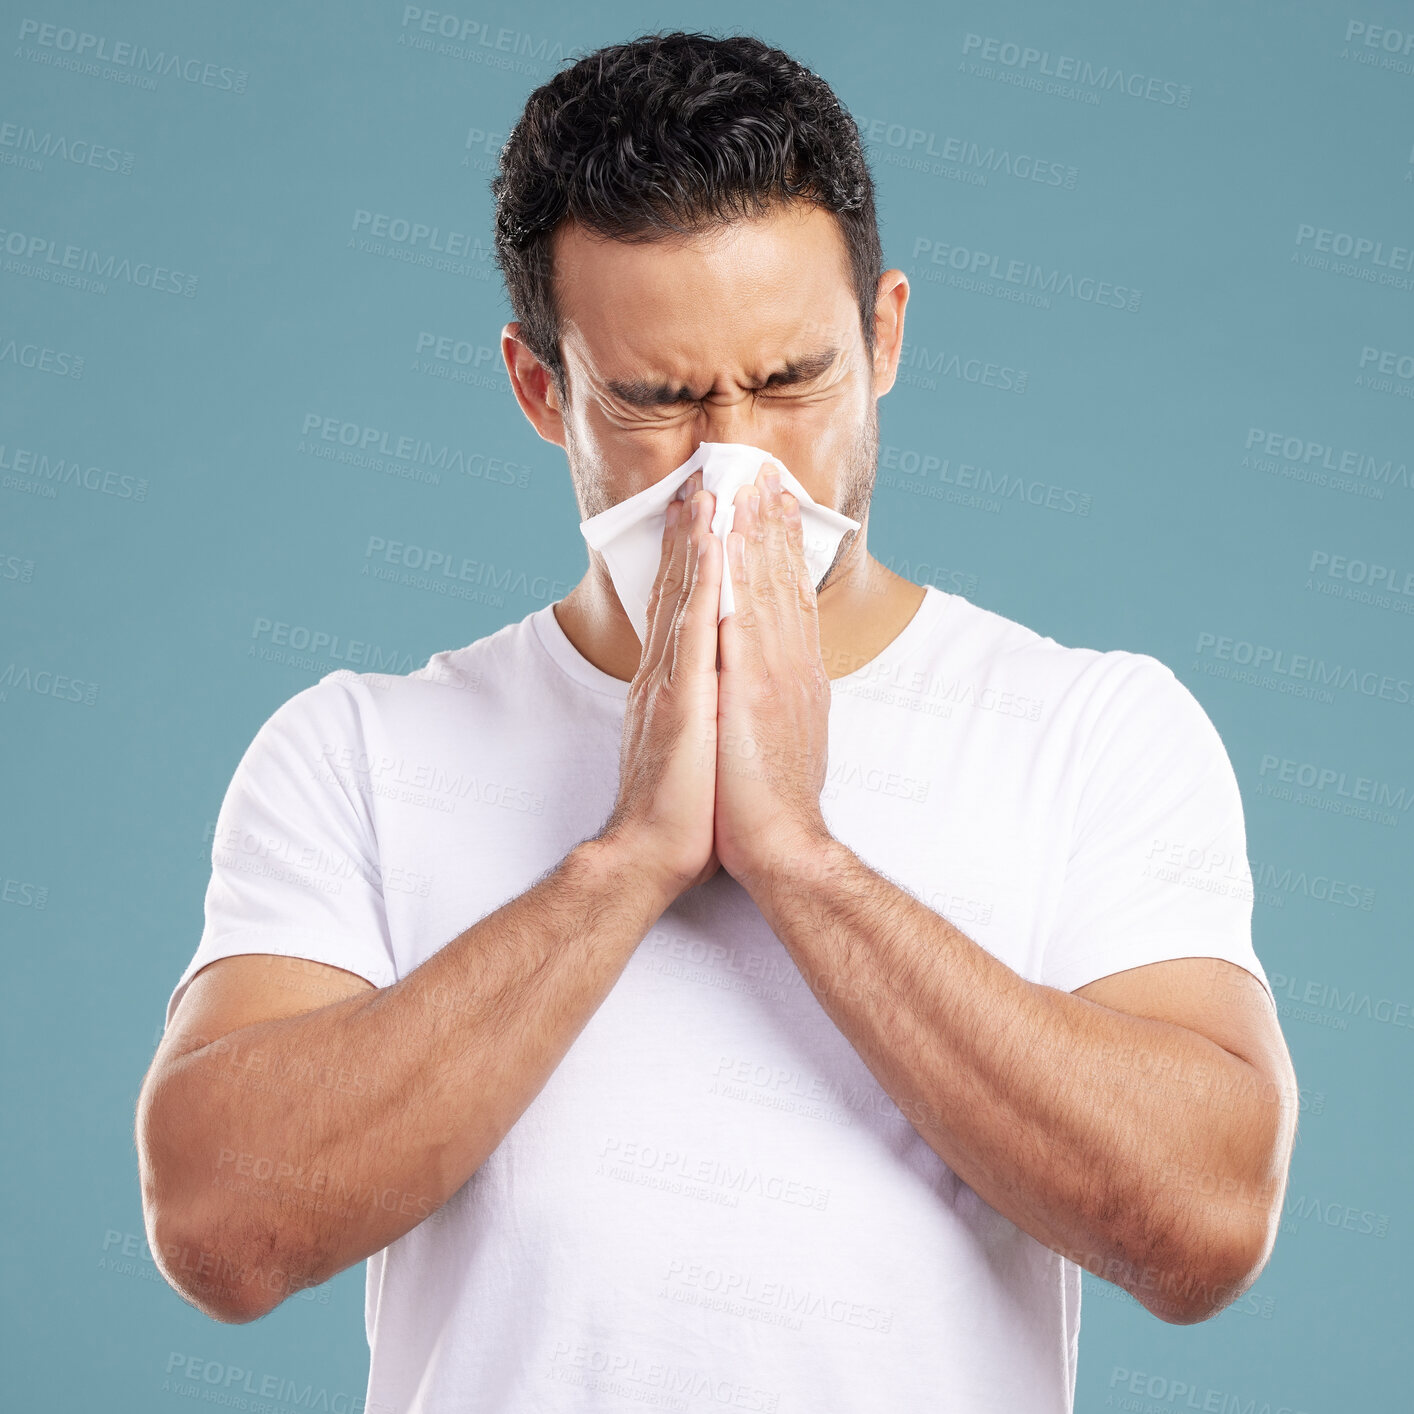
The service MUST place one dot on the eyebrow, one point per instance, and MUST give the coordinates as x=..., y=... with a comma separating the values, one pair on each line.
x=643, y=392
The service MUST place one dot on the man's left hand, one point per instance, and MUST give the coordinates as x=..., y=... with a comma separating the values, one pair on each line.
x=773, y=695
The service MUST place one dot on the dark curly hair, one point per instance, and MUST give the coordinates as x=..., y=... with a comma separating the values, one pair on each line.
x=669, y=134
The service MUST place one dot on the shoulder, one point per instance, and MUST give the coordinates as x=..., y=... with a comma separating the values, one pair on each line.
x=453, y=681
x=981, y=637
x=345, y=697
x=1090, y=693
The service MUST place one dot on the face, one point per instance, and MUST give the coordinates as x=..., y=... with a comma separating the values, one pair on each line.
x=747, y=334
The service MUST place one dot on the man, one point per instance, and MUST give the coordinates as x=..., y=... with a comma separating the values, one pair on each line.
x=774, y=1014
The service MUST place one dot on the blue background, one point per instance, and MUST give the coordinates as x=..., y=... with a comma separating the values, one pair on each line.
x=183, y=546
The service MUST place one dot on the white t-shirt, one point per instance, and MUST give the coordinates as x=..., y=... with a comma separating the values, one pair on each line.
x=712, y=1203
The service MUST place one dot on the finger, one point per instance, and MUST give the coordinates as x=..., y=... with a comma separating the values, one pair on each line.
x=806, y=601
x=795, y=531
x=667, y=588
x=695, y=645
x=802, y=603
x=684, y=632
x=743, y=554
x=774, y=532
x=663, y=591
x=765, y=570
x=783, y=571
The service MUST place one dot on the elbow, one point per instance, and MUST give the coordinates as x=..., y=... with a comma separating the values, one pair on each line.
x=189, y=1238
x=1216, y=1249
x=1209, y=1280
x=205, y=1274
x=230, y=1313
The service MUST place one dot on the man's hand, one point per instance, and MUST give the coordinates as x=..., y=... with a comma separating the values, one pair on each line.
x=773, y=711
x=668, y=763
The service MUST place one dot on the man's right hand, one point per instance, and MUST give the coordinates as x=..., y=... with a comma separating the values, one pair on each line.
x=668, y=764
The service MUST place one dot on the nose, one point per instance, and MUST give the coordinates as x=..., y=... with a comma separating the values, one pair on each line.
x=736, y=420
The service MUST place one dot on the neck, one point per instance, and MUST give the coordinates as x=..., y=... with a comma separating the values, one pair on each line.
x=862, y=608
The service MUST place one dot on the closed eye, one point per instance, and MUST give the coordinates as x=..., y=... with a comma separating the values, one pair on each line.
x=645, y=394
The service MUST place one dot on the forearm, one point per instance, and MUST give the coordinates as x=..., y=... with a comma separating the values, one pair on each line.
x=1036, y=1098
x=400, y=1093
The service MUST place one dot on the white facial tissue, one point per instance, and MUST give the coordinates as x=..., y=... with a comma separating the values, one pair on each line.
x=630, y=534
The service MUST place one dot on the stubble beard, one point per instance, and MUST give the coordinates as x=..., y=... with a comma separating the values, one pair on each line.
x=857, y=489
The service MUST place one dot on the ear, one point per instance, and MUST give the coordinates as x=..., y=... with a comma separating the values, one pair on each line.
x=888, y=328
x=533, y=386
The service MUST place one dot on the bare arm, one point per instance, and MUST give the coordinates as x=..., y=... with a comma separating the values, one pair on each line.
x=254, y=1187
x=1141, y=1149
x=286, y=1150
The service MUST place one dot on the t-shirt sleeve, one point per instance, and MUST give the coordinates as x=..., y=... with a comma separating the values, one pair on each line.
x=294, y=863
x=1158, y=860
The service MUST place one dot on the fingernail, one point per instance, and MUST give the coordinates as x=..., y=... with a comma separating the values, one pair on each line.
x=773, y=480
x=692, y=513
x=674, y=510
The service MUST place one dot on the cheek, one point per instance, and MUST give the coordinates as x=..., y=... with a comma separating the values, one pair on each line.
x=819, y=445
x=827, y=428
